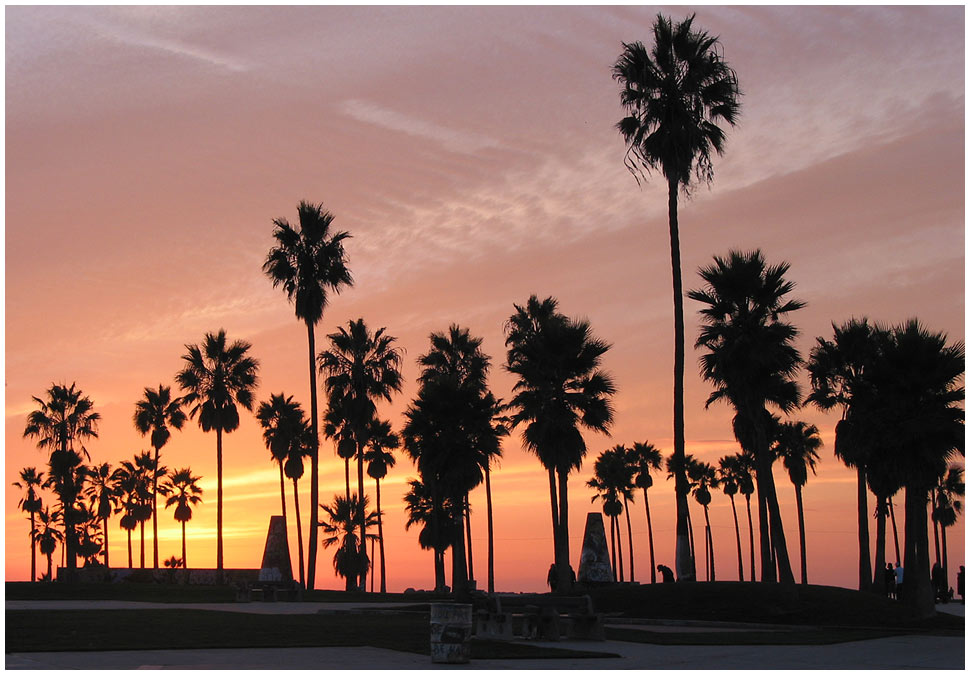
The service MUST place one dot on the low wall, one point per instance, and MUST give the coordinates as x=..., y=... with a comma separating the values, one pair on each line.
x=200, y=576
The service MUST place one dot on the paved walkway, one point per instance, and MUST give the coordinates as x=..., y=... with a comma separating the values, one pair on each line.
x=921, y=652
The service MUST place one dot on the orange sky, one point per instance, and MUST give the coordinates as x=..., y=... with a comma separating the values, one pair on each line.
x=471, y=154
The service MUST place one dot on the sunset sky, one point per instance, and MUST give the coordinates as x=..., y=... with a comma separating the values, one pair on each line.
x=471, y=152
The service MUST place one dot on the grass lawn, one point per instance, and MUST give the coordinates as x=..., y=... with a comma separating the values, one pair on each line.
x=104, y=630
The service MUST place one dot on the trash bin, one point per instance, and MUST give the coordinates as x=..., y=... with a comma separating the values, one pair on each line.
x=451, y=630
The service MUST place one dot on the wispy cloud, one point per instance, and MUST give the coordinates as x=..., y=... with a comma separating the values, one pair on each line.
x=452, y=139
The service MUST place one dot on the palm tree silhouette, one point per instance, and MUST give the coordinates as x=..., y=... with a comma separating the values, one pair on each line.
x=751, y=361
x=336, y=425
x=154, y=414
x=360, y=368
x=217, y=376
x=611, y=480
x=673, y=467
x=47, y=537
x=490, y=447
x=150, y=472
x=31, y=503
x=102, y=498
x=342, y=529
x=675, y=95
x=646, y=458
x=797, y=445
x=66, y=417
x=838, y=371
x=286, y=434
x=560, y=388
x=731, y=476
x=704, y=479
x=434, y=516
x=380, y=457
x=309, y=264
x=184, y=492
x=946, y=506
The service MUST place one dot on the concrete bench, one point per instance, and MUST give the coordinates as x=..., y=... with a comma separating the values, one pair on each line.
x=542, y=617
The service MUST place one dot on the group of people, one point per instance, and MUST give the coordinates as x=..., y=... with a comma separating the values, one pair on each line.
x=941, y=590
x=893, y=578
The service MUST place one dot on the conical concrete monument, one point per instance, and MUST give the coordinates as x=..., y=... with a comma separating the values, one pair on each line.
x=276, y=556
x=594, y=561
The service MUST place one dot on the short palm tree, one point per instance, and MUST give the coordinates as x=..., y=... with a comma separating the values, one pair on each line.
x=730, y=476
x=310, y=265
x=102, y=499
x=360, y=369
x=646, y=459
x=336, y=426
x=61, y=424
x=183, y=493
x=751, y=360
x=675, y=96
x=47, y=536
x=154, y=414
x=705, y=479
x=838, y=371
x=435, y=520
x=797, y=446
x=342, y=529
x=216, y=378
x=560, y=388
x=946, y=506
x=31, y=503
x=611, y=475
x=379, y=456
x=150, y=472
x=673, y=466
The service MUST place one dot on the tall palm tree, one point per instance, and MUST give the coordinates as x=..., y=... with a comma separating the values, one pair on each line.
x=675, y=96
x=31, y=504
x=61, y=424
x=154, y=414
x=646, y=458
x=47, y=536
x=183, y=493
x=730, y=477
x=798, y=445
x=434, y=516
x=838, y=371
x=216, y=378
x=705, y=478
x=360, y=368
x=310, y=264
x=560, y=388
x=286, y=433
x=491, y=451
x=102, y=499
x=150, y=472
x=946, y=506
x=342, y=529
x=379, y=456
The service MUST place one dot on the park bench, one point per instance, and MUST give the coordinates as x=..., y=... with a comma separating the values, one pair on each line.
x=268, y=591
x=538, y=616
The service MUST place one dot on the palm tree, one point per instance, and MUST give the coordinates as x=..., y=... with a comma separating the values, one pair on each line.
x=946, y=506
x=350, y=561
x=184, y=492
x=150, y=472
x=47, y=537
x=704, y=479
x=610, y=479
x=285, y=433
x=673, y=468
x=360, y=368
x=102, y=498
x=380, y=457
x=336, y=426
x=154, y=414
x=675, y=95
x=309, y=264
x=751, y=361
x=838, y=371
x=66, y=417
x=293, y=468
x=128, y=486
x=435, y=519
x=490, y=449
x=797, y=445
x=731, y=476
x=560, y=388
x=217, y=376
x=31, y=504
x=646, y=458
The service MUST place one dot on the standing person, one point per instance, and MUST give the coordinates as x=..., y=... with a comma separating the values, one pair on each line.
x=899, y=577
x=551, y=579
x=960, y=584
x=939, y=582
x=889, y=575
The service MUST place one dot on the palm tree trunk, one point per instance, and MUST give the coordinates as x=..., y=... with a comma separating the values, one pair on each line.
x=491, y=539
x=747, y=499
x=439, y=570
x=185, y=559
x=916, y=591
x=619, y=545
x=801, y=531
x=155, y=512
x=286, y=525
x=50, y=566
x=629, y=532
x=129, y=550
x=565, y=578
x=459, y=571
x=690, y=531
x=219, y=561
x=553, y=497
x=865, y=571
x=892, y=516
x=879, y=567
x=613, y=547
x=468, y=529
x=380, y=538
x=710, y=542
x=299, y=528
x=767, y=564
x=936, y=538
x=33, y=548
x=653, y=563
x=141, y=549
x=372, y=576
x=766, y=482
x=943, y=541
x=347, y=476
x=361, y=513
x=314, y=465
x=737, y=535
x=684, y=558
x=106, y=563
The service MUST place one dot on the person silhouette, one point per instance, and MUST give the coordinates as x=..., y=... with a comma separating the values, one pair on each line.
x=552, y=578
x=889, y=578
x=960, y=584
x=666, y=573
